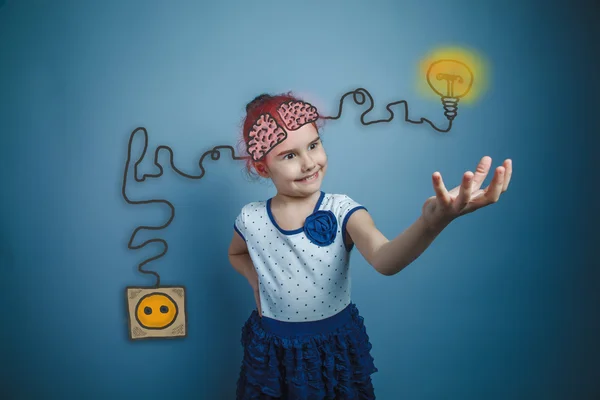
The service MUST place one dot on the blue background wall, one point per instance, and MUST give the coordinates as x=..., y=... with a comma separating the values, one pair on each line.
x=504, y=303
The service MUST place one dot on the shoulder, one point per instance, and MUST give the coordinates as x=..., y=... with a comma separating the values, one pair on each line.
x=253, y=206
x=341, y=204
x=249, y=213
x=336, y=199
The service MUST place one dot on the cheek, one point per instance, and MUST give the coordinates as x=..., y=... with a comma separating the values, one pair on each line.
x=289, y=171
x=277, y=170
x=322, y=156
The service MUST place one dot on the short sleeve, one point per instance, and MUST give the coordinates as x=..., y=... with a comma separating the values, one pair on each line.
x=345, y=208
x=240, y=224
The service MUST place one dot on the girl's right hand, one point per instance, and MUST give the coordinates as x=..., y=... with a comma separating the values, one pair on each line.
x=252, y=277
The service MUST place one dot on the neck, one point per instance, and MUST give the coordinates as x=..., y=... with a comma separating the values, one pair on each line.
x=284, y=200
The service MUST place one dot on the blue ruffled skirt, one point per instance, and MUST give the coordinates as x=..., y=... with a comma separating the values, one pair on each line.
x=316, y=360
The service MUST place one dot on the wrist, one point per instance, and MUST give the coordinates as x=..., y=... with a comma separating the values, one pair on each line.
x=434, y=227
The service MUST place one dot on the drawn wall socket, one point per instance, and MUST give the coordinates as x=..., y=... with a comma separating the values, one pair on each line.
x=156, y=313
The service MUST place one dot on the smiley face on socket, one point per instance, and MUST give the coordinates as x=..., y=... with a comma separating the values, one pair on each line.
x=156, y=311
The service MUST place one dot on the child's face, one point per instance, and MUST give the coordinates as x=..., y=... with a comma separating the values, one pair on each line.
x=299, y=156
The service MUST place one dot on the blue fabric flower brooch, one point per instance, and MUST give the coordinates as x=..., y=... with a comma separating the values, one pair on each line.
x=321, y=227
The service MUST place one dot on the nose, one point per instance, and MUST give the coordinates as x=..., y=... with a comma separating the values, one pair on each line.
x=307, y=163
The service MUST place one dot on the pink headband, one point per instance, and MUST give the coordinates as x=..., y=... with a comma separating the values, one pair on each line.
x=266, y=133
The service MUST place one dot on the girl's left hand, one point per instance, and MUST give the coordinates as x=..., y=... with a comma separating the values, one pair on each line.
x=441, y=209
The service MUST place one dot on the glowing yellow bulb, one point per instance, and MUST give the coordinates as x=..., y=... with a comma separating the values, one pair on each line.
x=453, y=74
x=450, y=78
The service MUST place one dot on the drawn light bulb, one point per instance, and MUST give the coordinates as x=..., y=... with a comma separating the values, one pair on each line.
x=451, y=79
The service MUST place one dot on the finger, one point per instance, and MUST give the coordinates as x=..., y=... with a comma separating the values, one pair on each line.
x=476, y=194
x=478, y=200
x=464, y=195
x=481, y=171
x=491, y=194
x=495, y=189
x=507, y=174
x=441, y=193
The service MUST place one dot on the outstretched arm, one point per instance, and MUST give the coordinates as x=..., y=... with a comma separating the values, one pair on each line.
x=389, y=257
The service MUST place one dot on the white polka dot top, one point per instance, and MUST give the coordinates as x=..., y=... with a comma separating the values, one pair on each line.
x=303, y=274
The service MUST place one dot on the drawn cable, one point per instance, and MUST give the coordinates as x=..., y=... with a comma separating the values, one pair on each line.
x=215, y=155
x=359, y=96
x=364, y=93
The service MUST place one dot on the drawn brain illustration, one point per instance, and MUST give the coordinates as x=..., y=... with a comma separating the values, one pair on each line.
x=265, y=135
x=295, y=114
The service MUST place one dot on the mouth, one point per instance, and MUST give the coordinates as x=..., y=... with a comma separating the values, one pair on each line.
x=309, y=178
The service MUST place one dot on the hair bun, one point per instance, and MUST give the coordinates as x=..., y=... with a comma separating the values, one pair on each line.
x=257, y=101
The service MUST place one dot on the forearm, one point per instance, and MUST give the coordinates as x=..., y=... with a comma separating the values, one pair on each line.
x=398, y=253
x=242, y=263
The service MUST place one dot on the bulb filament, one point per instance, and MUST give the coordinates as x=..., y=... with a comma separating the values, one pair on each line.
x=450, y=78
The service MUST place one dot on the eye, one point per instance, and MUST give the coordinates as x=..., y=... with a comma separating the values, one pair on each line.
x=287, y=156
x=314, y=145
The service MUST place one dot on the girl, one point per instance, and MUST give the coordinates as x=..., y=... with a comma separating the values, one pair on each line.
x=307, y=340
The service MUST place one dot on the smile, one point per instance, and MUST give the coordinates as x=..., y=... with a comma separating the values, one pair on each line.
x=309, y=178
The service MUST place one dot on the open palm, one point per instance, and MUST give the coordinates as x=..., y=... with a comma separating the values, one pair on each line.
x=445, y=206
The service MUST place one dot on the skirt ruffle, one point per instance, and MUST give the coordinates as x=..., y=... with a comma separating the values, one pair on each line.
x=336, y=365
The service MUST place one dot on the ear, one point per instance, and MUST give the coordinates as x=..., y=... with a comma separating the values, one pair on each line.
x=261, y=168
